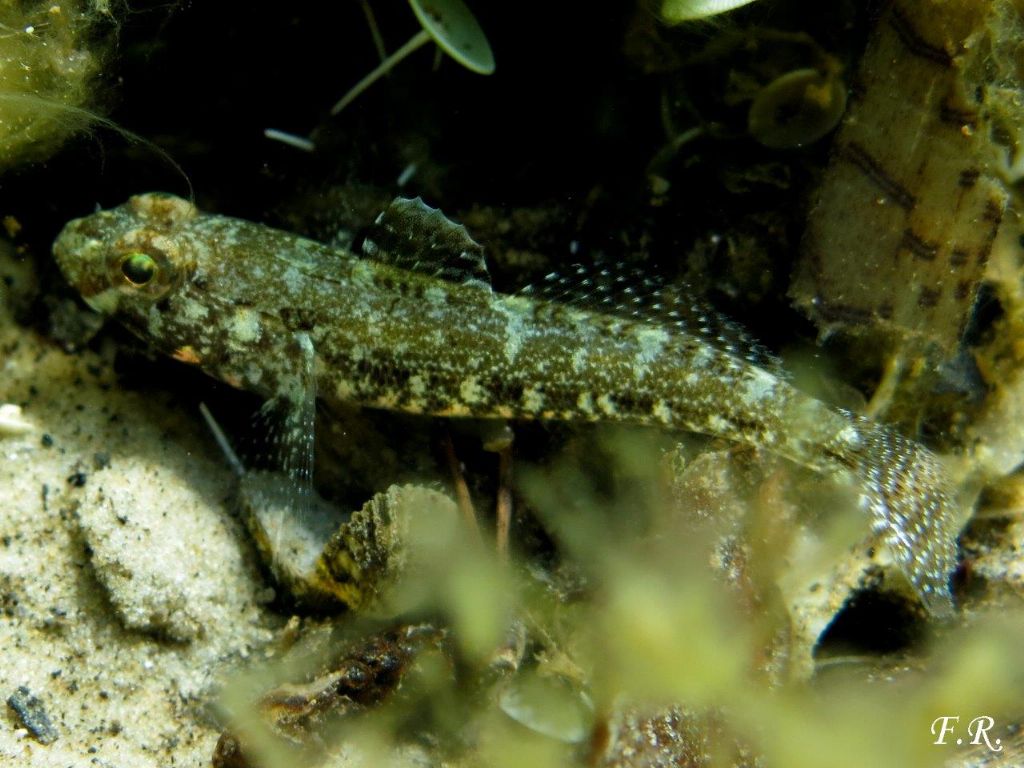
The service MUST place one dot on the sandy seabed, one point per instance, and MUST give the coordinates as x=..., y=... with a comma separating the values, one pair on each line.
x=126, y=586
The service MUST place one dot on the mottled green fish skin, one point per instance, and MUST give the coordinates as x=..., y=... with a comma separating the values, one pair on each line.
x=234, y=296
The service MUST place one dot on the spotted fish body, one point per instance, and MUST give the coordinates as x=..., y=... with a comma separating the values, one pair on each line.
x=413, y=325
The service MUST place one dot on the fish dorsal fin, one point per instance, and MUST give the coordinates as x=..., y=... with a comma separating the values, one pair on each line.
x=411, y=235
x=628, y=293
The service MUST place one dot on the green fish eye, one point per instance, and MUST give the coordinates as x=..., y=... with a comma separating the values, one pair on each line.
x=138, y=268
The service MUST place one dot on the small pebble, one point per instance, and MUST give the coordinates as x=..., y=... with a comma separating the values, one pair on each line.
x=32, y=715
x=12, y=422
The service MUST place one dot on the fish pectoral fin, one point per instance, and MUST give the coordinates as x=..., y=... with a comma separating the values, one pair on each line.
x=285, y=516
x=411, y=235
x=281, y=444
x=287, y=420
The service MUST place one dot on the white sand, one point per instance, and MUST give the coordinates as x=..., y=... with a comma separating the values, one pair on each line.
x=121, y=598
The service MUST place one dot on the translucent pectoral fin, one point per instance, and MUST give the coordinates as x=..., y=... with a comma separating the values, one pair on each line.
x=288, y=521
x=285, y=424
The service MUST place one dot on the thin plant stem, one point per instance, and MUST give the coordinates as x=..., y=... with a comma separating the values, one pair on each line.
x=371, y=22
x=418, y=40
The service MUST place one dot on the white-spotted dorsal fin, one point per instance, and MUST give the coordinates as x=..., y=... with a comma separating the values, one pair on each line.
x=412, y=235
x=627, y=292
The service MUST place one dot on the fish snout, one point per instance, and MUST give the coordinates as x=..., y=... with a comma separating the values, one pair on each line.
x=81, y=253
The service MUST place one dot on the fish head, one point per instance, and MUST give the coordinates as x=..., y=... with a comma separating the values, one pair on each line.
x=179, y=279
x=125, y=260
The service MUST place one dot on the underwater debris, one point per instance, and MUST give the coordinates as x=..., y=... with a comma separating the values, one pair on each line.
x=634, y=737
x=452, y=26
x=291, y=139
x=49, y=54
x=295, y=723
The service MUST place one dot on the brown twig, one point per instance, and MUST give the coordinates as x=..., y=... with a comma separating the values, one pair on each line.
x=503, y=513
x=462, y=497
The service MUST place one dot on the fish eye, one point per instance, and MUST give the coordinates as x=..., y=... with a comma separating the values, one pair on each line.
x=139, y=268
x=145, y=270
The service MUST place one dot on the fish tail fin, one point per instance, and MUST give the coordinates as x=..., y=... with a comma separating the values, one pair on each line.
x=913, y=509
